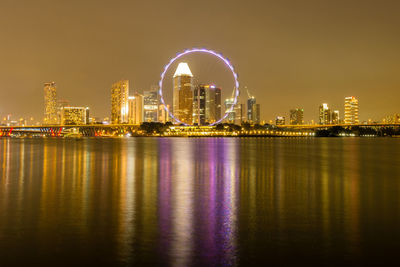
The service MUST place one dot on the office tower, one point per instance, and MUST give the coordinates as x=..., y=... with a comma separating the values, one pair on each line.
x=351, y=110
x=239, y=114
x=206, y=104
x=230, y=118
x=296, y=116
x=335, y=117
x=163, y=115
x=324, y=114
x=255, y=113
x=183, y=94
x=218, y=105
x=150, y=106
x=75, y=115
x=135, y=109
x=250, y=102
x=50, y=103
x=280, y=120
x=119, y=102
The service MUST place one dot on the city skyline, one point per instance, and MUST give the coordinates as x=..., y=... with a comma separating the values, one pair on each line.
x=322, y=53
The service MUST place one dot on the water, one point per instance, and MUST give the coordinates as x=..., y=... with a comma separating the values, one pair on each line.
x=199, y=202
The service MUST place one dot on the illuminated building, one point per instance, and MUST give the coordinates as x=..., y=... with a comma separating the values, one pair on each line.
x=250, y=102
x=150, y=106
x=182, y=94
x=75, y=115
x=230, y=118
x=324, y=114
x=206, y=104
x=119, y=102
x=255, y=113
x=50, y=103
x=239, y=113
x=351, y=110
x=280, y=120
x=61, y=103
x=163, y=115
x=335, y=117
x=135, y=109
x=296, y=116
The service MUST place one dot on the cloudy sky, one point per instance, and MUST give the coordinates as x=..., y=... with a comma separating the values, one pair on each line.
x=288, y=53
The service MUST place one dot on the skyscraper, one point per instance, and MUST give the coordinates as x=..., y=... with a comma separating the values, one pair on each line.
x=119, y=102
x=250, y=102
x=135, y=109
x=297, y=116
x=239, y=113
x=335, y=117
x=50, y=103
x=255, y=113
x=150, y=106
x=230, y=118
x=183, y=94
x=351, y=110
x=206, y=104
x=324, y=114
x=163, y=115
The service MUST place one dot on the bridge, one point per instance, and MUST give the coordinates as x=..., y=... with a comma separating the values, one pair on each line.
x=104, y=130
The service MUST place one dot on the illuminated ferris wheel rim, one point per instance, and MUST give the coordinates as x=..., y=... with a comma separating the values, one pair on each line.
x=200, y=50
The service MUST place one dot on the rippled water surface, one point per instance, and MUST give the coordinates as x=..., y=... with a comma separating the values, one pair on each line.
x=199, y=202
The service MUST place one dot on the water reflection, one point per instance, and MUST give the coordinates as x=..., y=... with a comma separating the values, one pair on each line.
x=204, y=202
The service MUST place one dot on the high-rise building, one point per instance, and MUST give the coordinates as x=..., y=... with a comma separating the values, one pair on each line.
x=280, y=120
x=250, y=102
x=231, y=115
x=351, y=110
x=119, y=102
x=135, y=109
x=183, y=94
x=150, y=106
x=75, y=115
x=255, y=113
x=239, y=114
x=297, y=116
x=50, y=103
x=324, y=114
x=335, y=117
x=206, y=104
x=163, y=115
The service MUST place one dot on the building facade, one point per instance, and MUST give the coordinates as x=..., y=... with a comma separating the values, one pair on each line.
x=250, y=102
x=119, y=102
x=231, y=115
x=163, y=115
x=150, y=106
x=183, y=94
x=324, y=114
x=296, y=116
x=280, y=120
x=135, y=109
x=351, y=110
x=206, y=104
x=50, y=104
x=335, y=117
x=75, y=115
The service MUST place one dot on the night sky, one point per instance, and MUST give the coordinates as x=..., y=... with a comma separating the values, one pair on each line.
x=288, y=53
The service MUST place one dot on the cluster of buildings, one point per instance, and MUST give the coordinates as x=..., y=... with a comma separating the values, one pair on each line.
x=59, y=111
x=326, y=116
x=193, y=104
